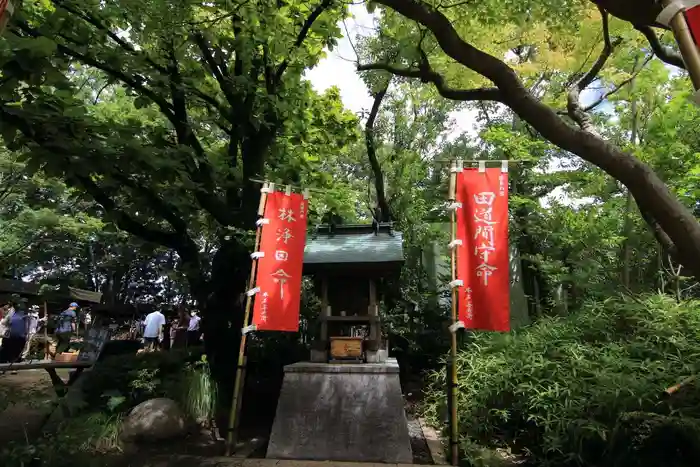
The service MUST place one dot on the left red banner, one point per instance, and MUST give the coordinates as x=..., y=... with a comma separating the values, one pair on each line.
x=279, y=273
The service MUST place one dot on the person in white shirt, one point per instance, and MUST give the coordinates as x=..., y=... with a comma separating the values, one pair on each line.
x=193, y=332
x=153, y=329
x=33, y=322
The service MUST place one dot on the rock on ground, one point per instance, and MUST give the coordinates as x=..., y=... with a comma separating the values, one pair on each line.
x=153, y=420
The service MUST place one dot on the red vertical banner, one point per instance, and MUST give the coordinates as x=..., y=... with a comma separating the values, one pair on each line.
x=278, y=278
x=692, y=16
x=483, y=262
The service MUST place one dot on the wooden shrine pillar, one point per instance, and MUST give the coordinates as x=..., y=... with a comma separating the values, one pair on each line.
x=375, y=337
x=325, y=308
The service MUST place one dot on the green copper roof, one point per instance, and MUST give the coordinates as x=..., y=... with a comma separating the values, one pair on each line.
x=353, y=244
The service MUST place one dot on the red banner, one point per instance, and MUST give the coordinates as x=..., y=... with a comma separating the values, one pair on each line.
x=483, y=262
x=279, y=270
x=692, y=16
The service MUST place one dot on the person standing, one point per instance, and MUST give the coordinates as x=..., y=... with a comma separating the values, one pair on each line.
x=193, y=333
x=65, y=328
x=153, y=329
x=180, y=325
x=4, y=312
x=16, y=336
x=33, y=321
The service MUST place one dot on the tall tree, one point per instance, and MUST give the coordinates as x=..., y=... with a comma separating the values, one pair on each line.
x=436, y=54
x=164, y=113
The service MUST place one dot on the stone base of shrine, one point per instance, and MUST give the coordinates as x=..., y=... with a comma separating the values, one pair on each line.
x=341, y=412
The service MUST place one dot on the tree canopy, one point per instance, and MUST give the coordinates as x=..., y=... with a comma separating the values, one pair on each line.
x=135, y=136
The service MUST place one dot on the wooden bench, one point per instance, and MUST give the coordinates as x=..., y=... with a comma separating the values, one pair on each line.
x=96, y=347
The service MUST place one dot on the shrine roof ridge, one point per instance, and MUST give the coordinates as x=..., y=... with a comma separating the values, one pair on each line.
x=354, y=243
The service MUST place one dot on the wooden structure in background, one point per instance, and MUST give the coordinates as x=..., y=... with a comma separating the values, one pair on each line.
x=349, y=264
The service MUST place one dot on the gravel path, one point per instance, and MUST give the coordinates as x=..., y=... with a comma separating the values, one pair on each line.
x=26, y=399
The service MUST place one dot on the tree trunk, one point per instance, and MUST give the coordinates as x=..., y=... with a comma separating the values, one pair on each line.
x=370, y=143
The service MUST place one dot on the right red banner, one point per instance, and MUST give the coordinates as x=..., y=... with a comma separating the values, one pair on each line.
x=692, y=16
x=483, y=261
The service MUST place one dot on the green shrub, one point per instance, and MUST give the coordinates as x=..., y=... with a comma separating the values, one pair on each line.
x=136, y=378
x=651, y=440
x=80, y=441
x=197, y=392
x=554, y=390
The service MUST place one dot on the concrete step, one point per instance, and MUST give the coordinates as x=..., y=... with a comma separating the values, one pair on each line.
x=192, y=461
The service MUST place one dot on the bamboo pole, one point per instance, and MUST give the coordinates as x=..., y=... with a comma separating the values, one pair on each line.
x=454, y=429
x=686, y=44
x=232, y=435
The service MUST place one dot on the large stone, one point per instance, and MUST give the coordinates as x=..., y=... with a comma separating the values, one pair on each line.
x=154, y=420
x=341, y=412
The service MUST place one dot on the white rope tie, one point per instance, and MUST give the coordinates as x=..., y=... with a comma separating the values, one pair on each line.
x=482, y=166
x=456, y=283
x=454, y=243
x=673, y=8
x=261, y=222
x=458, y=325
x=504, y=167
x=257, y=255
x=248, y=329
x=253, y=291
x=454, y=206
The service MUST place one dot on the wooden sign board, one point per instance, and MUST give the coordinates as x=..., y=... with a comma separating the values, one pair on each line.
x=93, y=343
x=346, y=347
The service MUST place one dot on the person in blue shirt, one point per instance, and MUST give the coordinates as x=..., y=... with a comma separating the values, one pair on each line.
x=65, y=327
x=16, y=338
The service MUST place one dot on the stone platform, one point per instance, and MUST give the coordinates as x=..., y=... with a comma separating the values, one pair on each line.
x=191, y=461
x=341, y=412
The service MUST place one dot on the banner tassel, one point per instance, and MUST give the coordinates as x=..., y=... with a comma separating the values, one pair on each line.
x=454, y=244
x=248, y=329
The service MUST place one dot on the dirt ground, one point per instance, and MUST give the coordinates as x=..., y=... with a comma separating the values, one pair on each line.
x=26, y=399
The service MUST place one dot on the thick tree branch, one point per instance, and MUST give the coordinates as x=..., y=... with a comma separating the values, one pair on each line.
x=372, y=154
x=429, y=76
x=661, y=236
x=301, y=37
x=649, y=190
x=572, y=103
x=665, y=54
x=123, y=220
x=155, y=202
x=132, y=82
x=101, y=26
x=224, y=82
x=199, y=169
x=130, y=49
